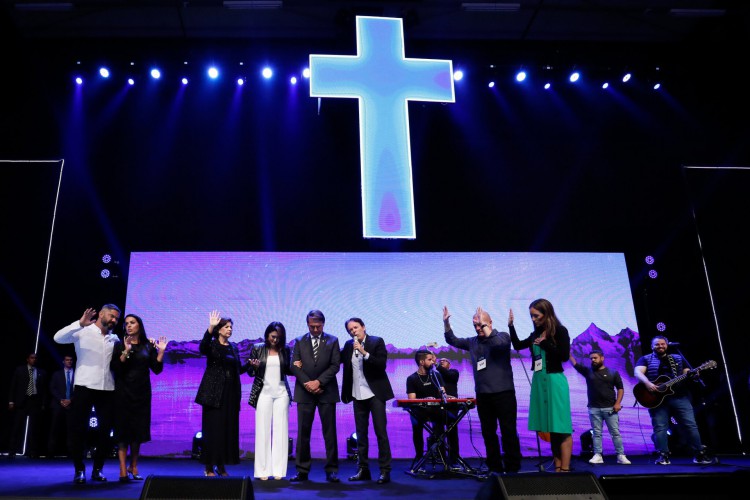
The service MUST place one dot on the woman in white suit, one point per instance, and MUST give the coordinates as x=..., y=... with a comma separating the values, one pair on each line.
x=271, y=397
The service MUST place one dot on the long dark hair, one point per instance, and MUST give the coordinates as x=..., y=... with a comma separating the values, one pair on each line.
x=142, y=338
x=278, y=327
x=551, y=323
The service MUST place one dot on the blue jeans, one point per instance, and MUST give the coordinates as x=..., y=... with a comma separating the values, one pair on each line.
x=682, y=409
x=596, y=416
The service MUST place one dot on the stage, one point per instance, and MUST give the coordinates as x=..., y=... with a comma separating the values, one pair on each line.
x=26, y=478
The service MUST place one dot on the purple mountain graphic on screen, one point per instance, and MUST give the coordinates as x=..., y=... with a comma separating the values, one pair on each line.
x=621, y=350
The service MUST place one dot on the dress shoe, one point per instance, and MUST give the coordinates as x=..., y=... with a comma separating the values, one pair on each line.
x=385, y=477
x=80, y=477
x=134, y=477
x=301, y=476
x=96, y=475
x=125, y=479
x=363, y=474
x=332, y=477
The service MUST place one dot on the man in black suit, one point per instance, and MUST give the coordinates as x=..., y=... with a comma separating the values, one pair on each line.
x=28, y=393
x=366, y=383
x=61, y=391
x=315, y=361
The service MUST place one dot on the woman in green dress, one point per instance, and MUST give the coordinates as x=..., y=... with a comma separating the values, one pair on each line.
x=549, y=404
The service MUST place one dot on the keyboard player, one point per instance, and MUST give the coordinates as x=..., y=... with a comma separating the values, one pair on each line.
x=427, y=382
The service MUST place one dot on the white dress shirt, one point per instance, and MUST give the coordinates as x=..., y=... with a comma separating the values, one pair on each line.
x=94, y=353
x=360, y=388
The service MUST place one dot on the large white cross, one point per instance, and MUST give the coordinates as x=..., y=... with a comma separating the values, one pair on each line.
x=383, y=80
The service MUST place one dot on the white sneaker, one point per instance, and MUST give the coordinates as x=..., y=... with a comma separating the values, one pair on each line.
x=623, y=460
x=597, y=459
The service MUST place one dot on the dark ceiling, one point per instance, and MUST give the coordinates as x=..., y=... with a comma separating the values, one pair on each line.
x=651, y=21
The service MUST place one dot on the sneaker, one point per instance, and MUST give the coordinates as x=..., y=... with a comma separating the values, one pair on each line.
x=596, y=459
x=702, y=459
x=663, y=459
x=623, y=460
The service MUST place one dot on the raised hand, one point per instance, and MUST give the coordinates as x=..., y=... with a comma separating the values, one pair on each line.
x=510, y=317
x=88, y=317
x=213, y=320
x=446, y=314
x=161, y=344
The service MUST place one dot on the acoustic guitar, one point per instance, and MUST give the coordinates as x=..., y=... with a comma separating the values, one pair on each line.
x=664, y=385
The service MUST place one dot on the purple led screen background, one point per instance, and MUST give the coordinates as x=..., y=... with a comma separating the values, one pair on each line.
x=400, y=298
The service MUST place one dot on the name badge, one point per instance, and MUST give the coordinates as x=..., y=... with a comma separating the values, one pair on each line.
x=481, y=364
x=537, y=362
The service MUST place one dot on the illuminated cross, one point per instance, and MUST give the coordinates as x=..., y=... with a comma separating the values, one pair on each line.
x=383, y=80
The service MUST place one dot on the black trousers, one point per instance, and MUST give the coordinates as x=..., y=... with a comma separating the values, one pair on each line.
x=78, y=425
x=500, y=407
x=305, y=417
x=439, y=420
x=362, y=411
x=30, y=407
x=58, y=430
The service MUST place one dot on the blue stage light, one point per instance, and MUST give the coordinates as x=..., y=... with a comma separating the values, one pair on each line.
x=131, y=81
x=626, y=78
x=458, y=75
x=155, y=74
x=213, y=72
x=520, y=76
x=267, y=72
x=79, y=80
x=605, y=85
x=491, y=84
x=240, y=81
x=574, y=76
x=306, y=73
x=184, y=81
x=104, y=72
x=293, y=80
x=547, y=86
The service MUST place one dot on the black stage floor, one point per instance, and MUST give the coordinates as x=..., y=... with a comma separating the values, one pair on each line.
x=26, y=478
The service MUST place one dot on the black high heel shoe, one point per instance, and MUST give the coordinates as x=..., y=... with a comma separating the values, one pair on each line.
x=133, y=477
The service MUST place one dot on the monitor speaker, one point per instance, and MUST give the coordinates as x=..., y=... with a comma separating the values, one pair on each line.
x=194, y=488
x=542, y=486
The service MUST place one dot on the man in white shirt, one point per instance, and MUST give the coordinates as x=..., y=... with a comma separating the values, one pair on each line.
x=94, y=385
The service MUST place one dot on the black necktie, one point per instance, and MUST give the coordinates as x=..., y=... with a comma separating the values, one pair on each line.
x=30, y=387
x=315, y=348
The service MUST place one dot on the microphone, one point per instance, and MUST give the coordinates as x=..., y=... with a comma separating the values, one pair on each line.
x=356, y=351
x=674, y=344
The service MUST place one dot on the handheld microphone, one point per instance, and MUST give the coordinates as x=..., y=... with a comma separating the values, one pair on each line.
x=356, y=351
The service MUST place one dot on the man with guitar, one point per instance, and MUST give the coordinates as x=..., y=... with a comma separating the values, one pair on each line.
x=660, y=390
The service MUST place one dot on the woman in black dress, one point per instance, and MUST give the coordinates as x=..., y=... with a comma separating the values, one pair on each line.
x=219, y=394
x=132, y=359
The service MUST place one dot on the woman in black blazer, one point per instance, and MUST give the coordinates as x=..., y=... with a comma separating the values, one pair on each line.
x=219, y=393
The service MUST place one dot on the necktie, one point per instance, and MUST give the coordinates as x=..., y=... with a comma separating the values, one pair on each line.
x=67, y=384
x=315, y=348
x=30, y=387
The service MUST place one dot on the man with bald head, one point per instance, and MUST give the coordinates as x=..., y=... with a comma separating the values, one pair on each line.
x=493, y=383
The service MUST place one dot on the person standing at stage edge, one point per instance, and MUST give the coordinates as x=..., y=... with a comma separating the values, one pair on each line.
x=366, y=383
x=28, y=395
x=315, y=361
x=94, y=343
x=493, y=383
x=679, y=405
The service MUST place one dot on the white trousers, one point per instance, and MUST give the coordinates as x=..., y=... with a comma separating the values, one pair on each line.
x=271, y=436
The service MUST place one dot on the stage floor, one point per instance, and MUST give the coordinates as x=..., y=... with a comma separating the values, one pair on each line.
x=26, y=478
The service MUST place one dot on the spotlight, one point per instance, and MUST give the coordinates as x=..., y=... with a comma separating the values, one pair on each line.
x=657, y=86
x=155, y=74
x=197, y=445
x=184, y=81
x=306, y=73
x=520, y=76
x=106, y=258
x=547, y=86
x=213, y=73
x=293, y=80
x=458, y=75
x=240, y=81
x=661, y=326
x=574, y=76
x=267, y=72
x=351, y=446
x=79, y=80
x=626, y=78
x=491, y=84
x=605, y=85
x=104, y=72
x=649, y=260
x=131, y=81
x=653, y=274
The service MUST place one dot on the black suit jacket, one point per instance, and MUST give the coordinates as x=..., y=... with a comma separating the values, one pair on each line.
x=323, y=370
x=57, y=386
x=20, y=382
x=373, y=367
